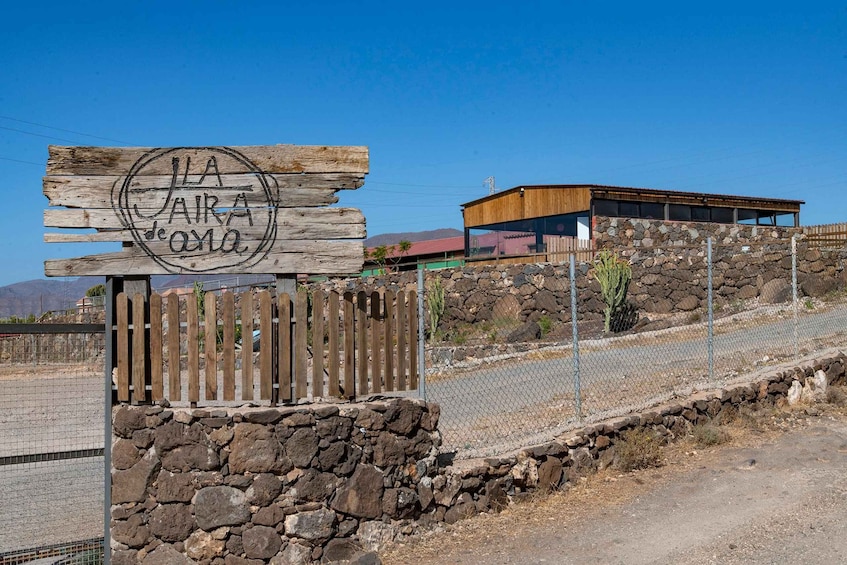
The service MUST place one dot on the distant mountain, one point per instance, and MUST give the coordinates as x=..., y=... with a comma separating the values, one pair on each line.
x=395, y=238
x=43, y=295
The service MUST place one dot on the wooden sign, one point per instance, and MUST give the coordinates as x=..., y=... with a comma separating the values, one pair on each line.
x=236, y=210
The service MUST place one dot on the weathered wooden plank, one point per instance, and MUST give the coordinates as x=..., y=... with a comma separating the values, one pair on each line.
x=413, y=340
x=246, y=304
x=349, y=389
x=122, y=319
x=389, y=341
x=174, y=369
x=193, y=345
x=291, y=223
x=376, y=336
x=293, y=189
x=66, y=160
x=314, y=257
x=139, y=355
x=157, y=386
x=301, y=353
x=210, y=345
x=334, y=362
x=401, y=340
x=228, y=345
x=285, y=345
x=265, y=346
x=362, y=343
x=318, y=343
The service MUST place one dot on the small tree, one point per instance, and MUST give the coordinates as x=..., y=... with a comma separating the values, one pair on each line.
x=96, y=290
x=380, y=256
x=614, y=275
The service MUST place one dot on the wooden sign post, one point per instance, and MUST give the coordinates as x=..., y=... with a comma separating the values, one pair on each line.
x=227, y=210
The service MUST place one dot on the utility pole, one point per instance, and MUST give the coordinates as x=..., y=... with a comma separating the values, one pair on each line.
x=490, y=182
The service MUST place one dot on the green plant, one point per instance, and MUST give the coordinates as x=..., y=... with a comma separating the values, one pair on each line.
x=706, y=435
x=638, y=449
x=808, y=304
x=96, y=290
x=435, y=305
x=546, y=324
x=614, y=275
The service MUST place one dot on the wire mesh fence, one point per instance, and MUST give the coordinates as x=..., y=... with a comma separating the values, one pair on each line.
x=695, y=318
x=51, y=447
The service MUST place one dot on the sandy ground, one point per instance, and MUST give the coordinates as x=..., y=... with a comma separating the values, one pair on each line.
x=773, y=494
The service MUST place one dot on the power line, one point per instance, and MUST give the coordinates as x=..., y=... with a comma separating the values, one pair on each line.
x=21, y=161
x=63, y=130
x=38, y=134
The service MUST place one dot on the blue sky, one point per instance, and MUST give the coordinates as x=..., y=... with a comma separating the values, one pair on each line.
x=724, y=97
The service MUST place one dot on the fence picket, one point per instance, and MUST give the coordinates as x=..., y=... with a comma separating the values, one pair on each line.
x=265, y=345
x=301, y=354
x=349, y=341
x=122, y=319
x=139, y=357
x=389, y=341
x=362, y=342
x=228, y=300
x=401, y=340
x=247, y=345
x=413, y=340
x=376, y=336
x=157, y=386
x=193, y=345
x=284, y=358
x=210, y=344
x=174, y=368
x=333, y=361
x=317, y=344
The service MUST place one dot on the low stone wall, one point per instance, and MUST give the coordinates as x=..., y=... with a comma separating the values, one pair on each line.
x=330, y=483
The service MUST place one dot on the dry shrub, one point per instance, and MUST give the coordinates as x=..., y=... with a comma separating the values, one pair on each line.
x=706, y=435
x=836, y=396
x=638, y=449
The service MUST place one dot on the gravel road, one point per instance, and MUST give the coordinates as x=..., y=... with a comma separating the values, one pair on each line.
x=772, y=498
x=497, y=407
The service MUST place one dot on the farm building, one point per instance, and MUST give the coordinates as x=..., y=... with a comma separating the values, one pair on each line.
x=547, y=222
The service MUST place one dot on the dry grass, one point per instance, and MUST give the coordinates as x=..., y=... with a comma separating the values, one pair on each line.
x=639, y=448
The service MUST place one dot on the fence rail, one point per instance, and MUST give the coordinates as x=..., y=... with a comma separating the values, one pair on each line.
x=289, y=348
x=826, y=235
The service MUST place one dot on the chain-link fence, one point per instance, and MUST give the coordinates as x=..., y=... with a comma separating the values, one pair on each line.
x=540, y=361
x=51, y=444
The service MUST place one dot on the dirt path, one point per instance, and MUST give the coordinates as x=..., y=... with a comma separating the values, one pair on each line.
x=775, y=495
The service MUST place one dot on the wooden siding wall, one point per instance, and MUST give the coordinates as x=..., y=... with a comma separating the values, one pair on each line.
x=326, y=345
x=535, y=203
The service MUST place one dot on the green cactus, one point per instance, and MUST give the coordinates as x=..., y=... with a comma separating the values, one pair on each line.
x=614, y=275
x=435, y=306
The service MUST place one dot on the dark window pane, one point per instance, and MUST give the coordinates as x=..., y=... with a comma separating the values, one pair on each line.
x=679, y=212
x=746, y=216
x=722, y=215
x=628, y=209
x=700, y=214
x=652, y=211
x=605, y=207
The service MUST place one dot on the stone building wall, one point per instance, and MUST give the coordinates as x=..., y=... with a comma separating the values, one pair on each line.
x=331, y=483
x=750, y=263
x=619, y=233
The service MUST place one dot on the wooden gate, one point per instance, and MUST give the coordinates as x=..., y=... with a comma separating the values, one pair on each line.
x=259, y=346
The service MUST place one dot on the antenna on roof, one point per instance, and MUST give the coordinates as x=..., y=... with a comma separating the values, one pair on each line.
x=490, y=183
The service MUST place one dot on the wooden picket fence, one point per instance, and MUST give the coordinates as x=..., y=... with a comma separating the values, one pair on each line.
x=308, y=346
x=826, y=235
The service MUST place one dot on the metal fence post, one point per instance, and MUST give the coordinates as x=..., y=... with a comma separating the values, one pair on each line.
x=711, y=338
x=421, y=336
x=577, y=388
x=108, y=362
x=794, y=294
